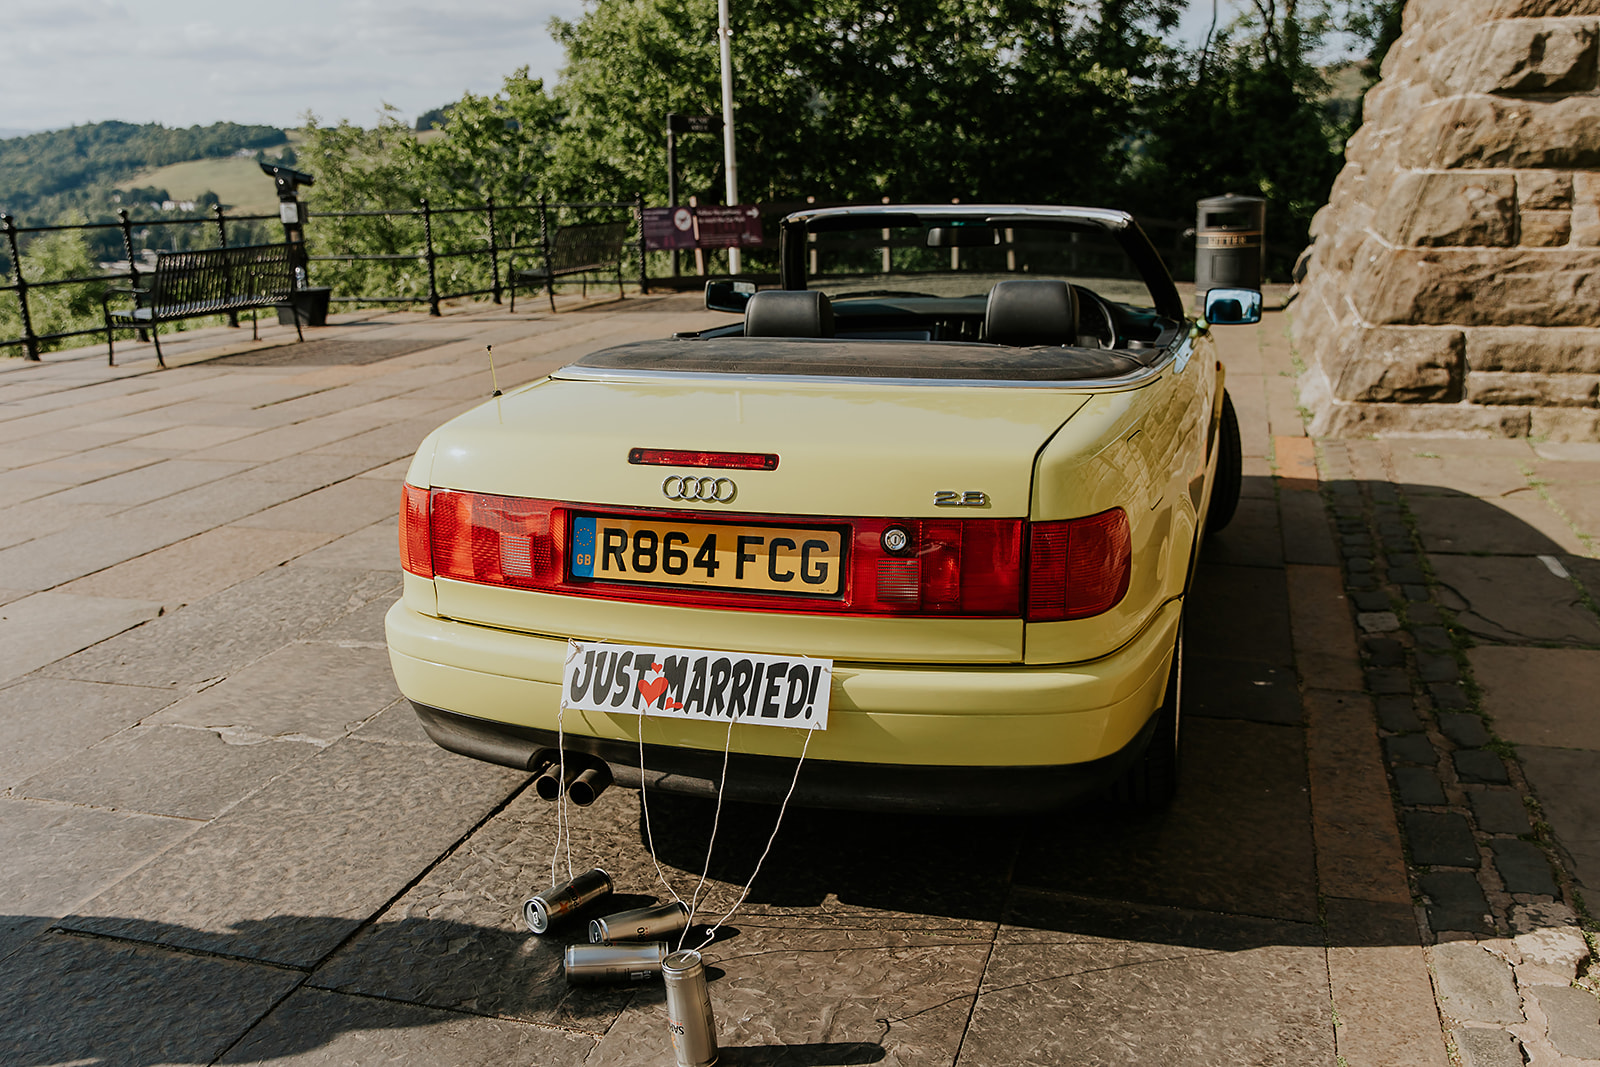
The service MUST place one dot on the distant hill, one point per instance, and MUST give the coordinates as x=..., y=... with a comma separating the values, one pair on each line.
x=45, y=175
x=7, y=131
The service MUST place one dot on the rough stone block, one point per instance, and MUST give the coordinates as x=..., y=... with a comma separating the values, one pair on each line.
x=1418, y=785
x=1544, y=190
x=1455, y=901
x=1586, y=209
x=1523, y=867
x=1535, y=56
x=1411, y=748
x=1561, y=390
x=1483, y=131
x=1464, y=729
x=1550, y=943
x=1499, y=811
x=1474, y=984
x=1440, y=839
x=1565, y=424
x=1449, y=208
x=1483, y=287
x=1574, y=1016
x=1481, y=1047
x=1545, y=229
x=1533, y=349
x=1403, y=364
x=1398, y=714
x=1437, y=667
x=1338, y=419
x=1480, y=767
x=1447, y=696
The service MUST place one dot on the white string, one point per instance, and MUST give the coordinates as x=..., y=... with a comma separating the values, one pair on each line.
x=801, y=762
x=644, y=803
x=716, y=820
x=563, y=831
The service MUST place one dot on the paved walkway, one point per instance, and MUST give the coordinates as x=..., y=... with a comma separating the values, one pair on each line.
x=229, y=842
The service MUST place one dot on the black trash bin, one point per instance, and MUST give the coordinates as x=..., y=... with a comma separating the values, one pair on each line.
x=310, y=306
x=1229, y=242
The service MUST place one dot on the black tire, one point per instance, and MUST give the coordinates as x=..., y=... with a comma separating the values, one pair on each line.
x=1230, y=469
x=1149, y=785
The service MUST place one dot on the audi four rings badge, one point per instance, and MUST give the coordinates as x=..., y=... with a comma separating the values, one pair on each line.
x=708, y=490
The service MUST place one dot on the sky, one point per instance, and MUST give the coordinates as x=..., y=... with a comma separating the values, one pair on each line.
x=183, y=62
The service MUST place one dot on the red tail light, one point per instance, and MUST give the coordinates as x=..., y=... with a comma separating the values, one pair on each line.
x=1079, y=567
x=498, y=540
x=946, y=567
x=416, y=553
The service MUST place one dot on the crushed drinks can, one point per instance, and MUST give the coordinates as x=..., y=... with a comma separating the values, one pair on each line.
x=640, y=924
x=590, y=964
x=554, y=904
x=694, y=1031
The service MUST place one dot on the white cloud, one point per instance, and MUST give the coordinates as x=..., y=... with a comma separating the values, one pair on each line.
x=182, y=62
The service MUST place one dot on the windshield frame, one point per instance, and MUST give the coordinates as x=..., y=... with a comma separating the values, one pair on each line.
x=1119, y=224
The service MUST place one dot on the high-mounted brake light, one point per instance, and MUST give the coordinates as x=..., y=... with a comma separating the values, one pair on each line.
x=416, y=553
x=733, y=461
x=1079, y=567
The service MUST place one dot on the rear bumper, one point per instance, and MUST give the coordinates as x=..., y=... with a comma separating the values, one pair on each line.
x=1001, y=737
x=820, y=784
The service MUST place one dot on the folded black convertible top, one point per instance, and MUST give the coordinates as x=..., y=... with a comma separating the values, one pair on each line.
x=829, y=358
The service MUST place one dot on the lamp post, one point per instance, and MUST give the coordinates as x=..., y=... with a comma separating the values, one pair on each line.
x=725, y=37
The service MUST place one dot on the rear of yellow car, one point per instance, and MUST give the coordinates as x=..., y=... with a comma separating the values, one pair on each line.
x=996, y=574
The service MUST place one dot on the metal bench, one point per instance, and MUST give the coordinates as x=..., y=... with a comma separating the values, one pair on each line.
x=595, y=248
x=209, y=281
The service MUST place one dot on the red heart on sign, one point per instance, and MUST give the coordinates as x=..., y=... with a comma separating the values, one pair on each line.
x=673, y=705
x=652, y=690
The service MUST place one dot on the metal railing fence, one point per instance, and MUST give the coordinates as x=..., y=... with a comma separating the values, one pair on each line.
x=425, y=254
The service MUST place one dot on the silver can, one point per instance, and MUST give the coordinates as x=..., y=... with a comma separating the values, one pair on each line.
x=556, y=903
x=694, y=1031
x=591, y=964
x=640, y=924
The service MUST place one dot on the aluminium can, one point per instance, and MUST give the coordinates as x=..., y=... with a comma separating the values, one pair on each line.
x=640, y=924
x=592, y=964
x=544, y=909
x=694, y=1031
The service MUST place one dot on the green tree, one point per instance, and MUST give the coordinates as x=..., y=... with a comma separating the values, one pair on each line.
x=60, y=308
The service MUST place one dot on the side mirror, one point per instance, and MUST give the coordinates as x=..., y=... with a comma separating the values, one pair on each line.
x=1233, y=307
x=730, y=295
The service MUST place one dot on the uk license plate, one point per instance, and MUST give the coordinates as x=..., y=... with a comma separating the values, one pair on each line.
x=756, y=559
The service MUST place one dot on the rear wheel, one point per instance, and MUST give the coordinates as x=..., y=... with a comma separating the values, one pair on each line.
x=1150, y=783
x=1230, y=469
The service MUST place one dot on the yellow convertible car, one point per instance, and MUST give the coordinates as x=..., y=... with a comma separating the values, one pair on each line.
x=923, y=519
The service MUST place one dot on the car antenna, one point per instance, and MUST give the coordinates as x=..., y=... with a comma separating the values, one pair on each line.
x=493, y=378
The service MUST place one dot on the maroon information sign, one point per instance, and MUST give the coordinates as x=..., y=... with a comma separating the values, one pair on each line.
x=666, y=228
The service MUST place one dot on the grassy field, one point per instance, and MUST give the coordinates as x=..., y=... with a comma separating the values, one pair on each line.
x=236, y=179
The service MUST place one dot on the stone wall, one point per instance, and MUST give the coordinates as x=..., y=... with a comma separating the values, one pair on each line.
x=1454, y=280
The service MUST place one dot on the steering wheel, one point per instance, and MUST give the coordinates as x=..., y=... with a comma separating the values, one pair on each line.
x=1102, y=326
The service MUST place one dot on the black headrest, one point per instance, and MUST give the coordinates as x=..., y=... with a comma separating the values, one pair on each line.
x=788, y=313
x=1025, y=313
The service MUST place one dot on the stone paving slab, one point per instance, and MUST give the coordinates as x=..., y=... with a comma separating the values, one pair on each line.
x=1237, y=838
x=202, y=773
x=314, y=1028
x=1150, y=986
x=44, y=627
x=287, y=875
x=312, y=691
x=1514, y=600
x=48, y=719
x=57, y=855
x=130, y=1004
x=1564, y=781
x=194, y=569
x=1541, y=696
x=229, y=630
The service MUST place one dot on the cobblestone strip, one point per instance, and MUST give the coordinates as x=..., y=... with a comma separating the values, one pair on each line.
x=1514, y=972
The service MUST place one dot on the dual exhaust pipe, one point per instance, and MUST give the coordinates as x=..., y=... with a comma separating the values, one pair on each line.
x=585, y=779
